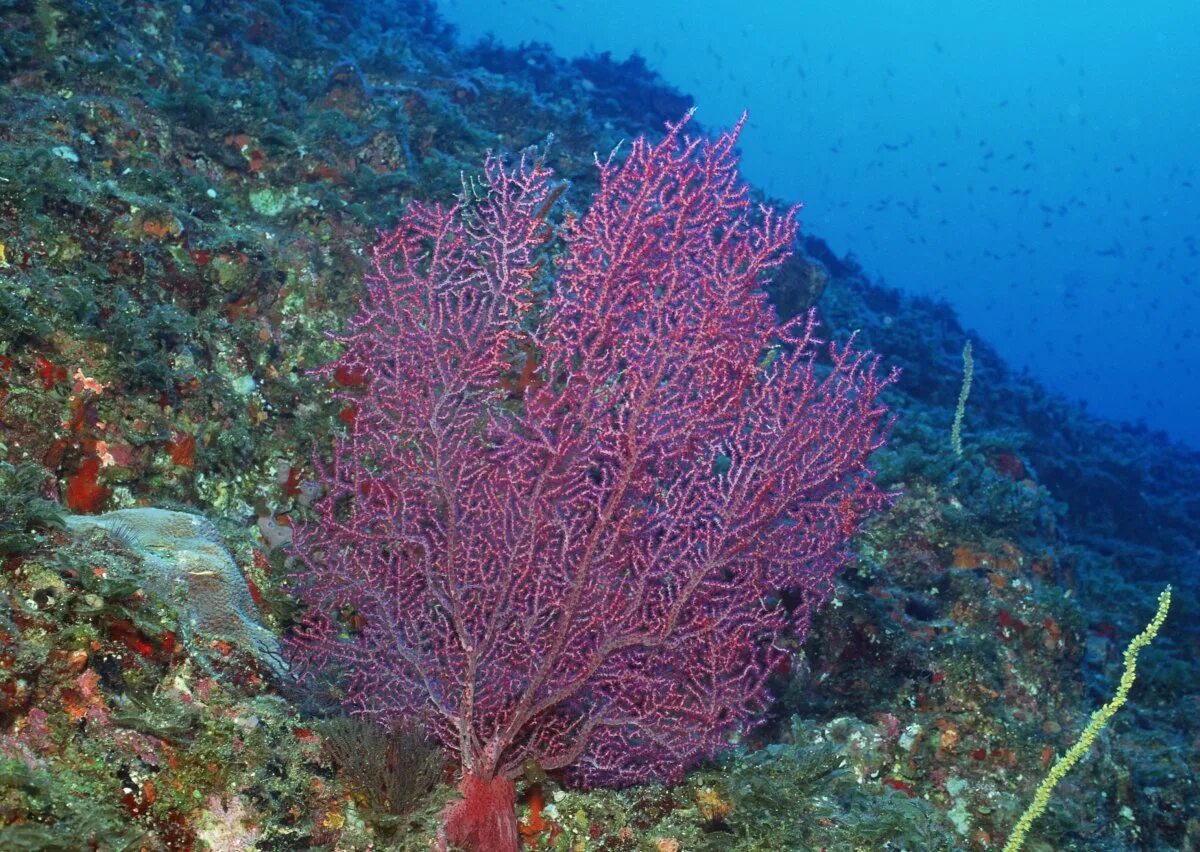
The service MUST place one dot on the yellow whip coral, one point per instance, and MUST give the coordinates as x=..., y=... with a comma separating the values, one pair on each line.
x=1099, y=719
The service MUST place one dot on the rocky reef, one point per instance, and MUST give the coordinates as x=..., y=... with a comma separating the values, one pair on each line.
x=186, y=191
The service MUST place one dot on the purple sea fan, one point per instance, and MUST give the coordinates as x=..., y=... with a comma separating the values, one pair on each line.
x=584, y=472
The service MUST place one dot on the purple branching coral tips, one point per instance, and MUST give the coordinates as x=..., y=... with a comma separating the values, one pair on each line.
x=585, y=470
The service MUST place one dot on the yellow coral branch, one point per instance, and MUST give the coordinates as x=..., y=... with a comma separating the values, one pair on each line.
x=1099, y=719
x=963, y=393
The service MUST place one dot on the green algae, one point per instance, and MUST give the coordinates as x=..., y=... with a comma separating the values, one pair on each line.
x=58, y=811
x=24, y=513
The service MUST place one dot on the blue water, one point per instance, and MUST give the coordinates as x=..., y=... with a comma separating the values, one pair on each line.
x=1035, y=164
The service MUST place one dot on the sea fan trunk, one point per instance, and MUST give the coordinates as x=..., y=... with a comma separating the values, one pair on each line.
x=484, y=819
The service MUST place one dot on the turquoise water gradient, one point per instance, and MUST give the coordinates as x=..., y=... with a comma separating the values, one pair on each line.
x=1036, y=164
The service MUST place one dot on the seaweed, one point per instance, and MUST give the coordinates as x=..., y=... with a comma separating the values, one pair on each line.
x=24, y=514
x=48, y=812
x=391, y=769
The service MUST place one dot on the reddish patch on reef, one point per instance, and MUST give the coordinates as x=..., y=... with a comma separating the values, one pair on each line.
x=527, y=378
x=322, y=171
x=160, y=228
x=534, y=825
x=966, y=559
x=350, y=377
x=138, y=801
x=897, y=784
x=125, y=633
x=83, y=699
x=176, y=832
x=292, y=486
x=49, y=373
x=255, y=593
x=348, y=414
x=1010, y=622
x=1010, y=466
x=123, y=454
x=183, y=449
x=84, y=493
x=242, y=307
